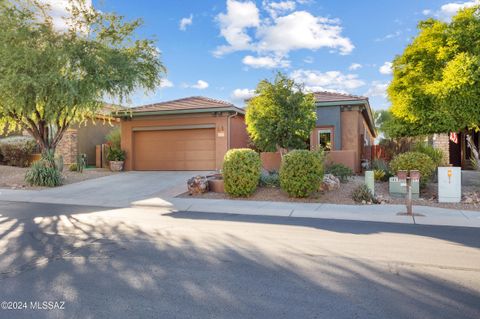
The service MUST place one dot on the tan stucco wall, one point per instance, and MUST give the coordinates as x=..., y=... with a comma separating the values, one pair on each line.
x=220, y=122
x=91, y=135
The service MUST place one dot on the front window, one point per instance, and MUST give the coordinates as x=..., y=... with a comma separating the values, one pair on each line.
x=325, y=139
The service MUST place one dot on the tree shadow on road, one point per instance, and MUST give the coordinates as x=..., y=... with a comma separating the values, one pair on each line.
x=109, y=268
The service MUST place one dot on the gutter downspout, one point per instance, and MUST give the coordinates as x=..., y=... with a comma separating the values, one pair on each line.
x=228, y=128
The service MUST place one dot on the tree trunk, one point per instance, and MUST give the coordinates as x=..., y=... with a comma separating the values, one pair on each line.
x=475, y=155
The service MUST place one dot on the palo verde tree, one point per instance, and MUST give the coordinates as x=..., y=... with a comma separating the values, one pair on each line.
x=51, y=78
x=281, y=115
x=436, y=81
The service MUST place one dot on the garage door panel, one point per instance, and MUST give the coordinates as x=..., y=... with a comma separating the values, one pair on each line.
x=174, y=150
x=199, y=155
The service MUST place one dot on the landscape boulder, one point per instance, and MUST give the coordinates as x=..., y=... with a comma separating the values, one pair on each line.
x=330, y=183
x=197, y=185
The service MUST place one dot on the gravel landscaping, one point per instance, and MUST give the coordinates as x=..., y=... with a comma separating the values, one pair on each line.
x=13, y=177
x=343, y=195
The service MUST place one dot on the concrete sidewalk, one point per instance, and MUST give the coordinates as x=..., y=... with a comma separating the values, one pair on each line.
x=375, y=213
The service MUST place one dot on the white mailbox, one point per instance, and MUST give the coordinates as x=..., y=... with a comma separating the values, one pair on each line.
x=449, y=184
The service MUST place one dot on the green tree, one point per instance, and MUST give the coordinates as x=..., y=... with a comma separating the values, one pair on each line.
x=51, y=78
x=281, y=115
x=436, y=81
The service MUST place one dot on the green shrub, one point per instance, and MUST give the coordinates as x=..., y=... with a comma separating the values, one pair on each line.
x=115, y=154
x=363, y=194
x=271, y=179
x=241, y=172
x=301, y=173
x=414, y=161
x=44, y=172
x=342, y=172
x=114, y=138
x=73, y=167
x=436, y=155
x=16, y=150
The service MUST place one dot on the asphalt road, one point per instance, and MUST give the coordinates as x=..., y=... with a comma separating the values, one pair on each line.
x=145, y=263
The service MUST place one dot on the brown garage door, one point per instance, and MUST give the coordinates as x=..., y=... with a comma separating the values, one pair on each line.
x=174, y=150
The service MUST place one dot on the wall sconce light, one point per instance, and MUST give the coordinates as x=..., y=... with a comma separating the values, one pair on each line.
x=220, y=131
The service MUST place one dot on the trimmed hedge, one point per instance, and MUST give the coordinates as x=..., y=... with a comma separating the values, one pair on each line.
x=16, y=150
x=414, y=161
x=241, y=172
x=301, y=173
x=435, y=154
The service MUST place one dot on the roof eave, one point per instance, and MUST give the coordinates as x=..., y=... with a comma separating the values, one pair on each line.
x=127, y=113
x=363, y=102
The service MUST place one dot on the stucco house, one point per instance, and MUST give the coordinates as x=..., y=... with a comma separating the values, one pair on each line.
x=83, y=138
x=345, y=128
x=192, y=133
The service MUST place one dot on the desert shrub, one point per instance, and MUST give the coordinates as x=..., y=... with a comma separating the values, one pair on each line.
x=16, y=150
x=363, y=194
x=270, y=179
x=436, y=155
x=381, y=165
x=114, y=138
x=301, y=173
x=378, y=174
x=44, y=172
x=342, y=172
x=73, y=167
x=115, y=154
x=241, y=172
x=414, y=161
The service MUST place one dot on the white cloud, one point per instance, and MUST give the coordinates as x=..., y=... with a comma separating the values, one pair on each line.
x=386, y=68
x=234, y=24
x=166, y=83
x=60, y=12
x=278, y=8
x=389, y=36
x=354, y=66
x=377, y=89
x=242, y=94
x=200, y=85
x=448, y=10
x=309, y=60
x=185, y=22
x=267, y=62
x=302, y=30
x=335, y=81
x=426, y=12
x=283, y=31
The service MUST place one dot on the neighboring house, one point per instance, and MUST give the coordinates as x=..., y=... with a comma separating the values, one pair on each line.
x=83, y=138
x=455, y=147
x=345, y=128
x=192, y=133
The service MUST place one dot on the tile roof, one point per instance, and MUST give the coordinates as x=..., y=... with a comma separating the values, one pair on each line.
x=324, y=96
x=189, y=103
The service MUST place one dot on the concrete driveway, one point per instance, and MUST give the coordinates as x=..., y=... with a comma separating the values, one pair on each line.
x=118, y=190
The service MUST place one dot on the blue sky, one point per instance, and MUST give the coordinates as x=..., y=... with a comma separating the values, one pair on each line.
x=222, y=49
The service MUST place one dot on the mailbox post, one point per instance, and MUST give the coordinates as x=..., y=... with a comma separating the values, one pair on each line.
x=406, y=178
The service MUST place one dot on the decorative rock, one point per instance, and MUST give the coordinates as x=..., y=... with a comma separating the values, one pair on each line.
x=197, y=185
x=330, y=182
